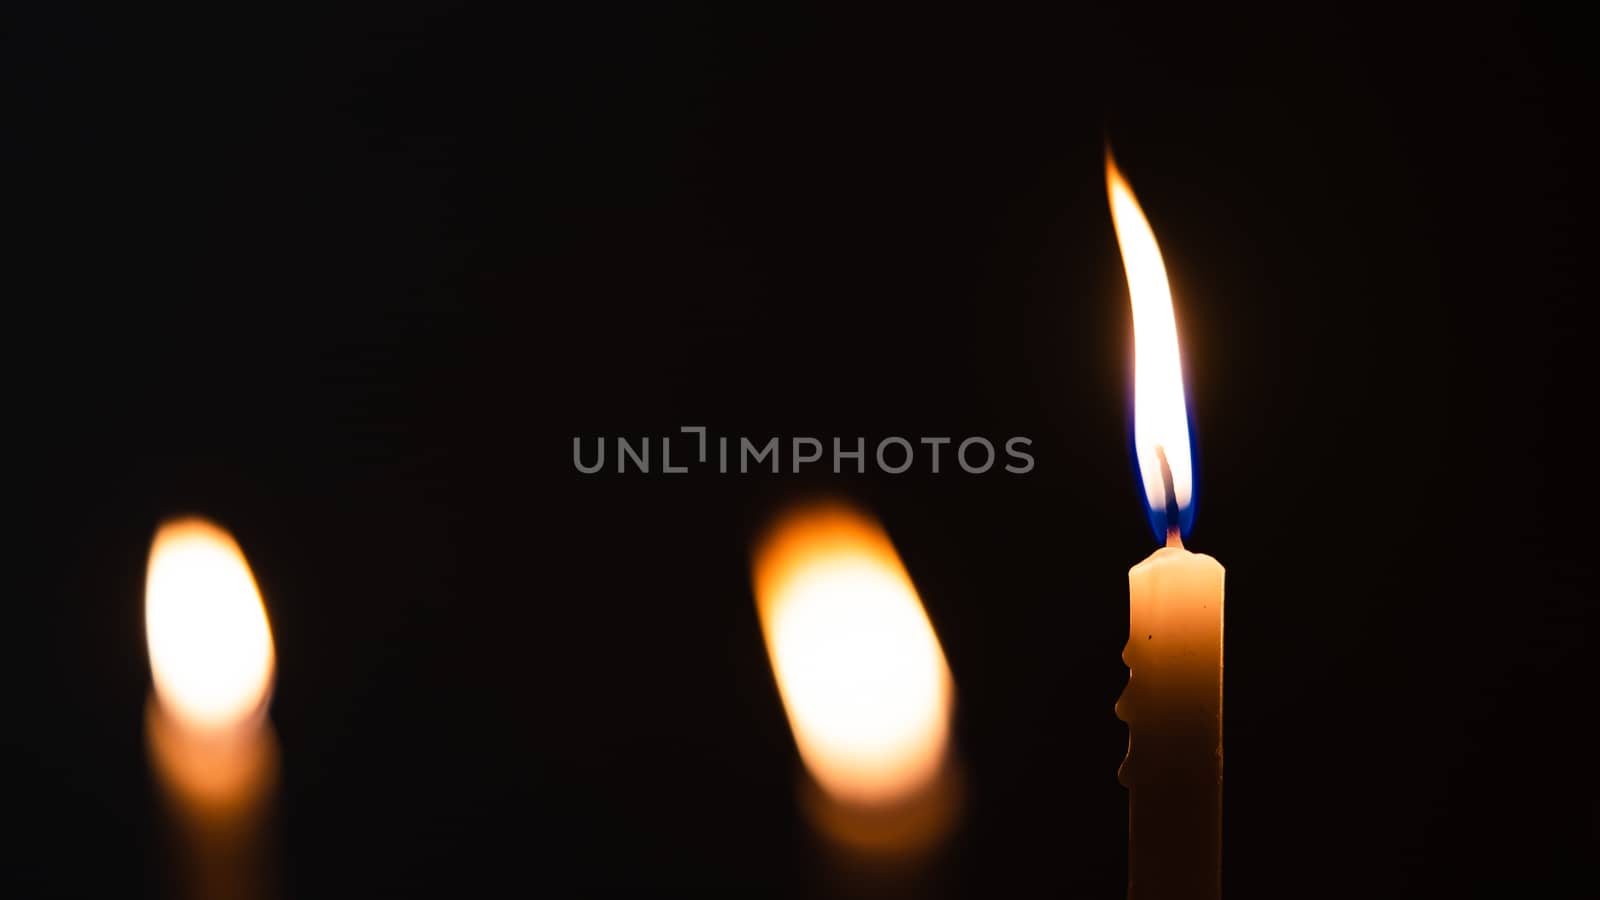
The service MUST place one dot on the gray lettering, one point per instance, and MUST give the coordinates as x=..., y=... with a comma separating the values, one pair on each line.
x=935, y=442
x=745, y=448
x=859, y=455
x=625, y=452
x=666, y=458
x=1012, y=451
x=687, y=429
x=577, y=459
x=798, y=459
x=910, y=454
x=961, y=454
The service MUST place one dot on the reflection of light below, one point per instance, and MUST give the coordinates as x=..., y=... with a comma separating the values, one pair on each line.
x=908, y=829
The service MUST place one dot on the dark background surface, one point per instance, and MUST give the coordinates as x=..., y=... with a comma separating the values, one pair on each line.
x=351, y=284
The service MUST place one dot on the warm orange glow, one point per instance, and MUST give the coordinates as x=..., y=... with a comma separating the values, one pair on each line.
x=219, y=780
x=1160, y=416
x=211, y=650
x=861, y=673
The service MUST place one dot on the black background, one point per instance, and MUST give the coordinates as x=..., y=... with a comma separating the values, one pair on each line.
x=351, y=284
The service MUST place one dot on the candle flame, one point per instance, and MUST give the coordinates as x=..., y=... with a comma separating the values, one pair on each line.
x=211, y=652
x=862, y=676
x=1160, y=414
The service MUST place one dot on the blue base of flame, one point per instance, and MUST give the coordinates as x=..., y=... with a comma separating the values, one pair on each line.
x=1160, y=518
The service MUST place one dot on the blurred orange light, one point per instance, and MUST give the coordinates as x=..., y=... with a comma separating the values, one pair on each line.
x=211, y=651
x=862, y=676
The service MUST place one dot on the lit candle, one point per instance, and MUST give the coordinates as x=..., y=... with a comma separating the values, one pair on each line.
x=1173, y=702
x=867, y=691
x=211, y=745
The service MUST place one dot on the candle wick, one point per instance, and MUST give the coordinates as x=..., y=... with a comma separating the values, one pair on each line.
x=1170, y=496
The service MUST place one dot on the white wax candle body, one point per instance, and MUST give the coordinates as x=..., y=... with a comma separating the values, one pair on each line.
x=1173, y=707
